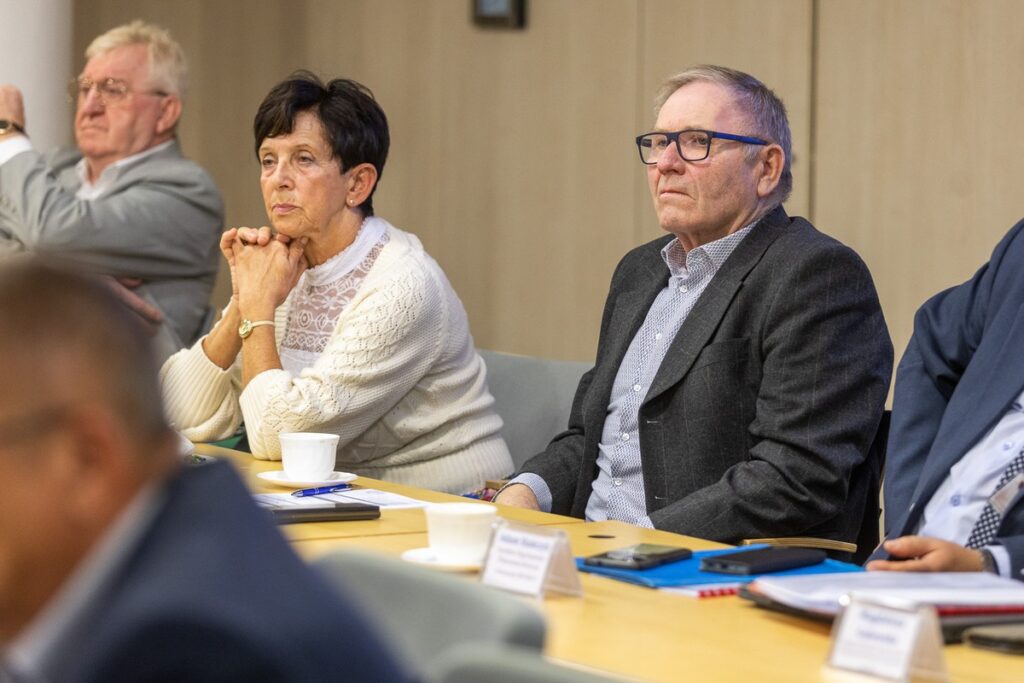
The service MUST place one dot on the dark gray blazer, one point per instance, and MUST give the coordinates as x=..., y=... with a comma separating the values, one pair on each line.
x=161, y=221
x=760, y=417
x=962, y=369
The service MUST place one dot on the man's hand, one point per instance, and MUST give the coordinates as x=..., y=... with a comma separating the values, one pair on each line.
x=923, y=554
x=149, y=314
x=518, y=496
x=12, y=107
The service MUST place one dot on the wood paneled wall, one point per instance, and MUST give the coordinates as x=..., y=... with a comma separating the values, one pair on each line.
x=512, y=152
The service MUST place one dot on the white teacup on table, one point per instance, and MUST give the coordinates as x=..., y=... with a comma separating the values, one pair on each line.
x=308, y=460
x=308, y=456
x=458, y=534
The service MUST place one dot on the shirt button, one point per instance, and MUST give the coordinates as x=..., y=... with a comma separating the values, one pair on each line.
x=617, y=482
x=625, y=436
x=658, y=336
x=955, y=500
x=1007, y=445
x=683, y=288
x=637, y=387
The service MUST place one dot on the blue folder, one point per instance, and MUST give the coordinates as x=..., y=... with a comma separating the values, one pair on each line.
x=687, y=572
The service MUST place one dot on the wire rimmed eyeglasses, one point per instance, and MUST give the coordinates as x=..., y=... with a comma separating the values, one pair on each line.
x=691, y=145
x=109, y=90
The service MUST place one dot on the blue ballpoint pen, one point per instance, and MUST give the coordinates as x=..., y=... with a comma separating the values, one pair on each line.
x=322, y=490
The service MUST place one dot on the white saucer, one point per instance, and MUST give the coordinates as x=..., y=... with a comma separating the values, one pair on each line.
x=429, y=558
x=281, y=479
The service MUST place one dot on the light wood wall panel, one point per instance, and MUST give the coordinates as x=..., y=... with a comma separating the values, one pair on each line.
x=920, y=152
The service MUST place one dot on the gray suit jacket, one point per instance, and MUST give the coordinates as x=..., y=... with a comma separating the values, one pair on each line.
x=760, y=417
x=161, y=221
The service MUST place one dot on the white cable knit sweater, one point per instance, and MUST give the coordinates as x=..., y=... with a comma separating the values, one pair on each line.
x=399, y=381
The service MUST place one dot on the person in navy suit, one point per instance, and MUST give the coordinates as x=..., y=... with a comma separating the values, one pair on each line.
x=956, y=446
x=118, y=563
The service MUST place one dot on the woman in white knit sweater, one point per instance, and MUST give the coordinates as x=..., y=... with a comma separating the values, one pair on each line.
x=338, y=321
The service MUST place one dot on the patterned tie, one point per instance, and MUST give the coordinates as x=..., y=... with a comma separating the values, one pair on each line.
x=985, y=530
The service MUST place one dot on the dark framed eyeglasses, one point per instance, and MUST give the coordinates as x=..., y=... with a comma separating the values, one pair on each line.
x=691, y=145
x=109, y=90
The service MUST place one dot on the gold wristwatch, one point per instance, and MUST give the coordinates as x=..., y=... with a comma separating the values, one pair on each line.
x=247, y=326
x=7, y=127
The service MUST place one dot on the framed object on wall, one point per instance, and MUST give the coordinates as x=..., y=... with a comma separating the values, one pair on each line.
x=499, y=13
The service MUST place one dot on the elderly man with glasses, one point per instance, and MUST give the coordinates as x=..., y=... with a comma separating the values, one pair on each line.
x=125, y=203
x=743, y=362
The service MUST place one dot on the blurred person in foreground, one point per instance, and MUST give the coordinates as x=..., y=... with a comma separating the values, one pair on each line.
x=955, y=465
x=338, y=321
x=116, y=562
x=123, y=202
x=743, y=361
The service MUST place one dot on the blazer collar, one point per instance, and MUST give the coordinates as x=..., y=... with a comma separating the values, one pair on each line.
x=702, y=321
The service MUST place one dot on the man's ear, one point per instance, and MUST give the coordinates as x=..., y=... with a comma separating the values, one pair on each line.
x=170, y=112
x=770, y=163
x=99, y=470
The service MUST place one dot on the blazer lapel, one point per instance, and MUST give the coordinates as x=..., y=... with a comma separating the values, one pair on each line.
x=703, y=320
x=631, y=308
x=975, y=408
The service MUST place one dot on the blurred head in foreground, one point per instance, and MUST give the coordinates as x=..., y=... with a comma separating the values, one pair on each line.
x=81, y=428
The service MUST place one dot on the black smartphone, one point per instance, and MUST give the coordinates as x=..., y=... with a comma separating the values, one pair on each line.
x=341, y=512
x=762, y=560
x=640, y=556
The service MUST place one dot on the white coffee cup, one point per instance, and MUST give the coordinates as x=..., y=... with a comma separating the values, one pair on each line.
x=308, y=456
x=459, y=532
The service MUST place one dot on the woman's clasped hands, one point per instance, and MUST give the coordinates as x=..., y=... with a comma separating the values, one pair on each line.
x=264, y=268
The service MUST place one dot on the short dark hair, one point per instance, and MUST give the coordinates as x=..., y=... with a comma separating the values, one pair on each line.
x=356, y=126
x=53, y=320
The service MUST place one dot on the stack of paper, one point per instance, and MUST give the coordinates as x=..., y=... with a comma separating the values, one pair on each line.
x=949, y=593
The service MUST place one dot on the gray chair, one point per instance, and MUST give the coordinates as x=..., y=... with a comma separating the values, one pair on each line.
x=423, y=613
x=503, y=664
x=533, y=396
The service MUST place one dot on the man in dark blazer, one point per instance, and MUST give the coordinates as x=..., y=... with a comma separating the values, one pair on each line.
x=124, y=201
x=117, y=563
x=743, y=361
x=957, y=435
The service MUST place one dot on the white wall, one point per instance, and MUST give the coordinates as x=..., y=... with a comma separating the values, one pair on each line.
x=35, y=55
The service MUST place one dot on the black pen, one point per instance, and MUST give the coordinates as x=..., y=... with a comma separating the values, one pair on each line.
x=322, y=490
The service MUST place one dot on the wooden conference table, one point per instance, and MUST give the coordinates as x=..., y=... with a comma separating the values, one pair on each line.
x=623, y=630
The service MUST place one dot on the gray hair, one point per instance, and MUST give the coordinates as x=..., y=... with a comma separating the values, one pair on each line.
x=766, y=112
x=168, y=69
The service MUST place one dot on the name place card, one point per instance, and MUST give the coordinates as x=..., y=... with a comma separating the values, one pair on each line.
x=530, y=560
x=889, y=639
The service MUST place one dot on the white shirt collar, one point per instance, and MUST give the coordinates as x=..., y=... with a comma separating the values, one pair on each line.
x=678, y=259
x=95, y=190
x=345, y=261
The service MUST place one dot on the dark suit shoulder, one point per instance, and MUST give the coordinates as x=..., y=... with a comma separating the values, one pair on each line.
x=804, y=244
x=645, y=256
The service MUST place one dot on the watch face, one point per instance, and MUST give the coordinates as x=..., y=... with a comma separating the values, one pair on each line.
x=245, y=329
